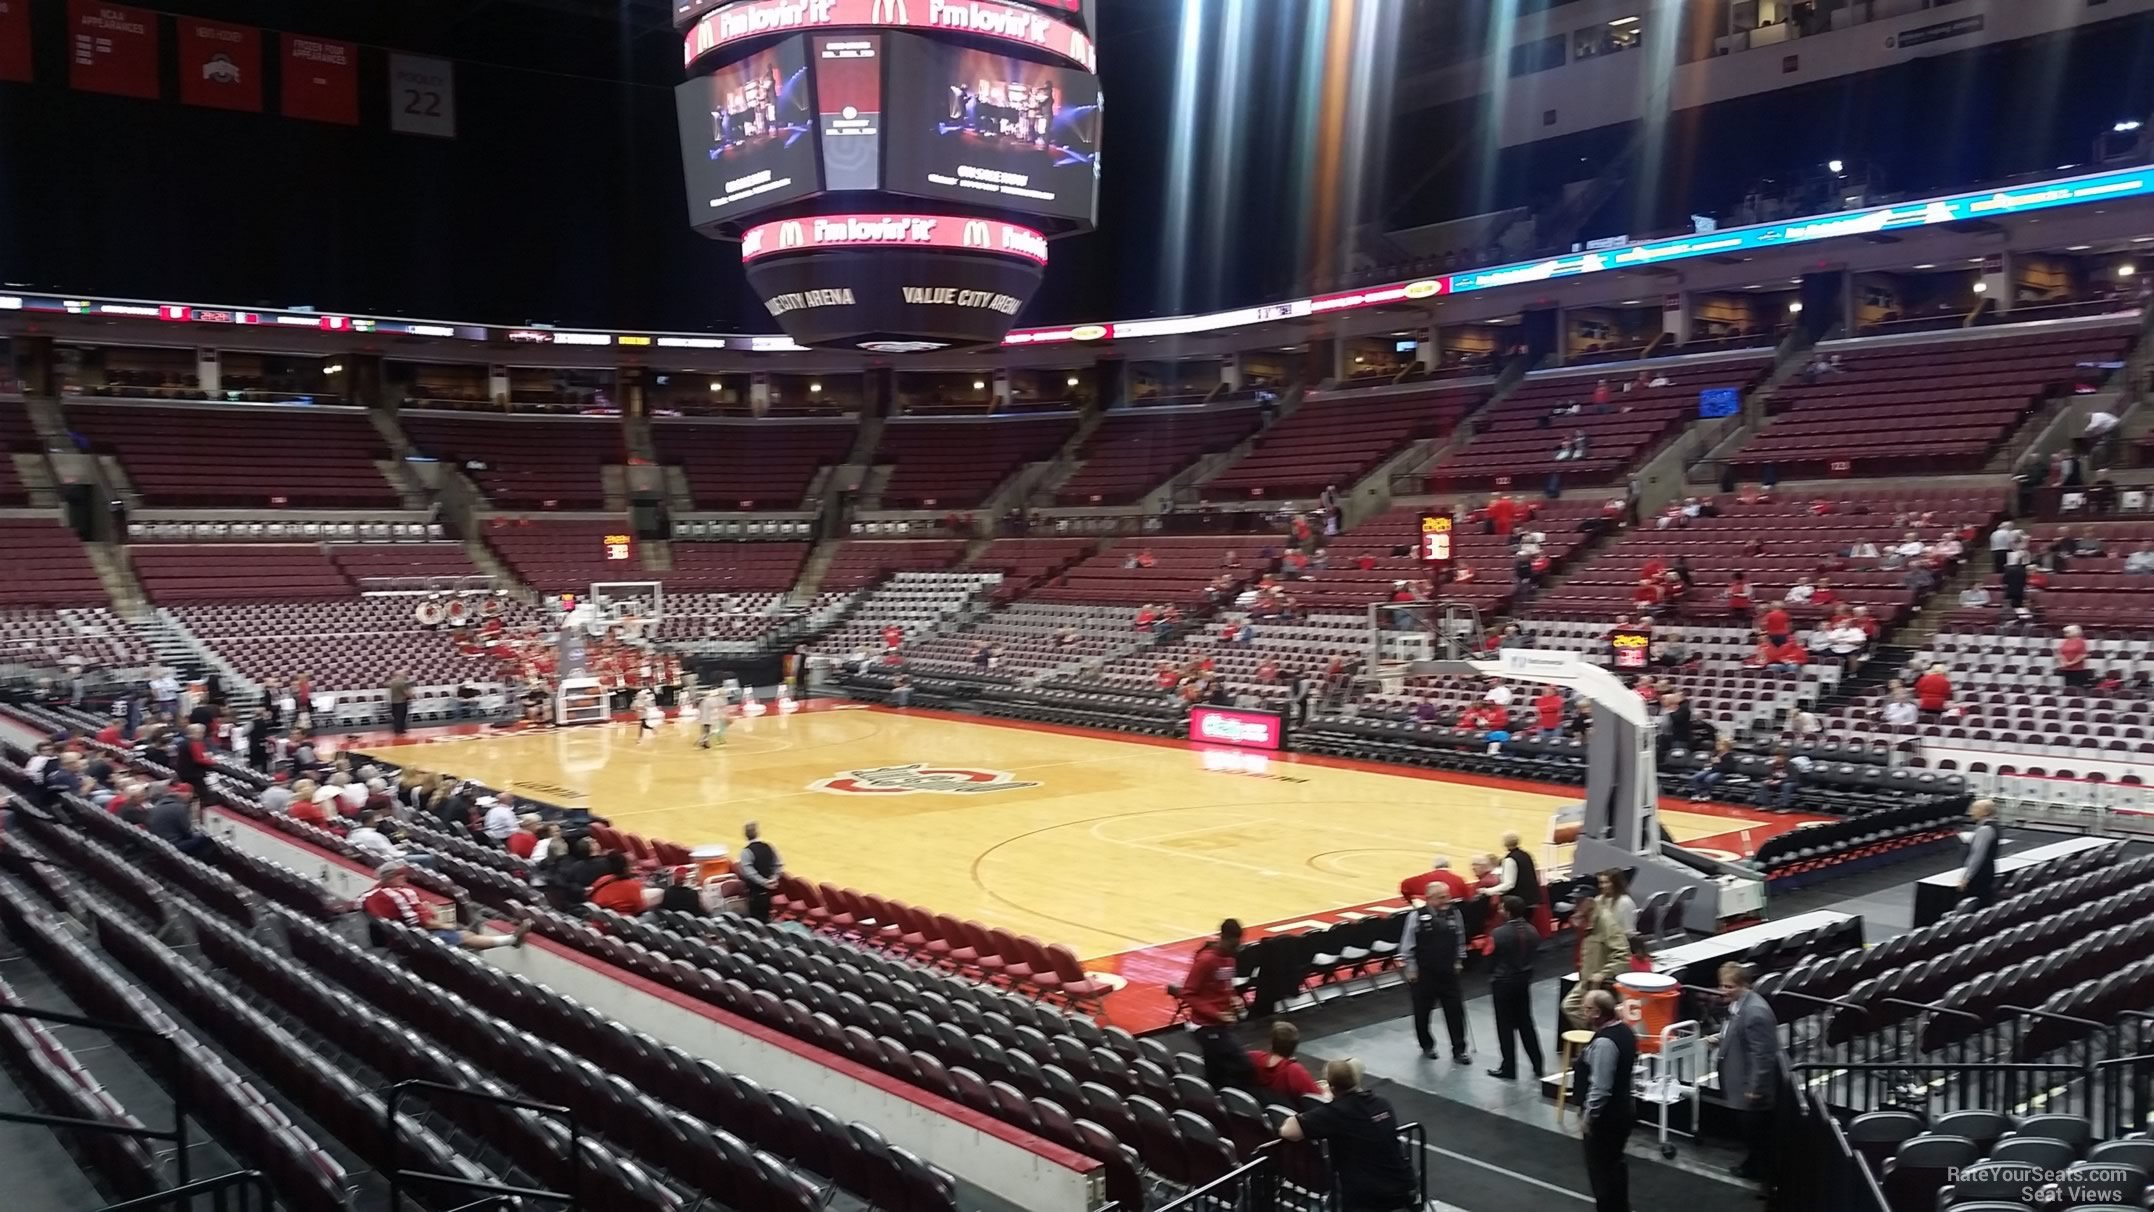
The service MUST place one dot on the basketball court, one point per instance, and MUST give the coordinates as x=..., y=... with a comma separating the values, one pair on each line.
x=1114, y=846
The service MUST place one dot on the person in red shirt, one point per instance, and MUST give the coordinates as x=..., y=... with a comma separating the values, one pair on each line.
x=1483, y=717
x=893, y=635
x=621, y=892
x=1502, y=514
x=1145, y=558
x=305, y=807
x=1547, y=713
x=1646, y=597
x=1364, y=561
x=1167, y=676
x=1208, y=990
x=1412, y=887
x=2072, y=658
x=110, y=733
x=1823, y=594
x=1278, y=1071
x=1654, y=568
x=1933, y=690
x=1776, y=625
x=393, y=899
x=1146, y=616
x=1786, y=656
x=529, y=834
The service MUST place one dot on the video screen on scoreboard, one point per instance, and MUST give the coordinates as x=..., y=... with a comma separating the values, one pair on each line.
x=748, y=133
x=972, y=126
x=849, y=98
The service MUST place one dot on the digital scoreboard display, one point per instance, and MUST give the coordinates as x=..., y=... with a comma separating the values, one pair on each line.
x=1437, y=532
x=1630, y=648
x=849, y=105
x=620, y=547
x=748, y=134
x=971, y=126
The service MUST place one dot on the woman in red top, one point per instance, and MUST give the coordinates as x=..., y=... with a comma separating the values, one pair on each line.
x=2072, y=658
x=1932, y=690
x=1278, y=1071
x=1776, y=625
x=621, y=892
x=1738, y=594
x=1548, y=711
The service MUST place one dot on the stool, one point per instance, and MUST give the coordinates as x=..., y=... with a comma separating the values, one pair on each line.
x=1572, y=1042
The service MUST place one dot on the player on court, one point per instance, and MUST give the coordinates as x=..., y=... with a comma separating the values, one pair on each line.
x=647, y=714
x=710, y=712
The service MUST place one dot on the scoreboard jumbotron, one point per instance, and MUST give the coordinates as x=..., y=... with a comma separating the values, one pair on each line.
x=893, y=168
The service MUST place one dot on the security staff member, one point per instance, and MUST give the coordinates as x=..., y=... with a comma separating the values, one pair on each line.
x=1363, y=1131
x=1510, y=981
x=759, y=868
x=1601, y=1078
x=1433, y=948
x=1978, y=879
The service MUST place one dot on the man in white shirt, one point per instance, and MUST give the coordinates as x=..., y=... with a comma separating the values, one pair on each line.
x=1499, y=693
x=369, y=840
x=329, y=796
x=1799, y=593
x=2100, y=424
x=1845, y=640
x=1900, y=710
x=2001, y=541
x=165, y=691
x=500, y=820
x=351, y=792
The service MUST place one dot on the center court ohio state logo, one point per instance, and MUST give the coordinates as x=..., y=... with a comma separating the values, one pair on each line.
x=919, y=779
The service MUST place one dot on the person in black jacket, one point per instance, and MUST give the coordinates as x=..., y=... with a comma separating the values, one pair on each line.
x=1374, y=1173
x=1512, y=947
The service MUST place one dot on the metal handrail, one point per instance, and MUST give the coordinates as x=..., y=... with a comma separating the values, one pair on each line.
x=175, y=1085
x=207, y=1186
x=398, y=1175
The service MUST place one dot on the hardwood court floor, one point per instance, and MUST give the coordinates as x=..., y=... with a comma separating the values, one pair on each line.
x=1107, y=845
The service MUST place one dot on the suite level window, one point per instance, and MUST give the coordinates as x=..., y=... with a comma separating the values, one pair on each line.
x=1621, y=34
x=1540, y=55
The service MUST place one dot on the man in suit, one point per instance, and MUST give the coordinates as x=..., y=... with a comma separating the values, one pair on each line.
x=1511, y=948
x=1750, y=1066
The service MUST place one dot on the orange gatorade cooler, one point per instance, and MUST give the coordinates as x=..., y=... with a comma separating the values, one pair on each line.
x=710, y=860
x=1649, y=1002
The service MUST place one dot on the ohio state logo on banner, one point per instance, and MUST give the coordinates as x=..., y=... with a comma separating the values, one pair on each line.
x=918, y=778
x=220, y=65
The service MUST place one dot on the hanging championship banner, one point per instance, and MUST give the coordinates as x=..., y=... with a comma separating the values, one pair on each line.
x=112, y=49
x=422, y=96
x=15, y=40
x=220, y=65
x=321, y=80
